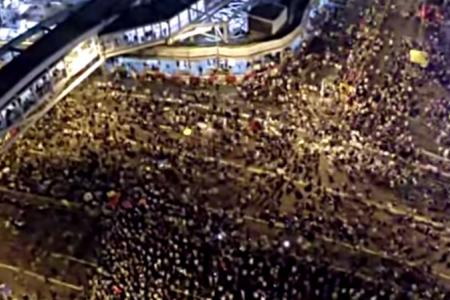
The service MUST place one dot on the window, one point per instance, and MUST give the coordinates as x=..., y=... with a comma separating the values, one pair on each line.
x=201, y=5
x=165, y=29
x=174, y=25
x=152, y=62
x=156, y=30
x=184, y=18
x=140, y=34
x=131, y=35
x=26, y=94
x=193, y=12
x=183, y=65
x=148, y=33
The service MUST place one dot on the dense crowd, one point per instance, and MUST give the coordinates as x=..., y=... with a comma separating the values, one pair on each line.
x=266, y=190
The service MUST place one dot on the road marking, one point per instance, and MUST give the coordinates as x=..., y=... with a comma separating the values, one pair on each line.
x=352, y=248
x=434, y=169
x=74, y=259
x=37, y=199
x=393, y=210
x=41, y=277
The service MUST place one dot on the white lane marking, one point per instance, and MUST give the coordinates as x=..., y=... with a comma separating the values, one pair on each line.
x=41, y=277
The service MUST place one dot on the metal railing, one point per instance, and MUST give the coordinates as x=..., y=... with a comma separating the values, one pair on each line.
x=252, y=50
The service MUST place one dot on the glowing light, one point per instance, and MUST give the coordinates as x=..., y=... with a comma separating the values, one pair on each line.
x=187, y=131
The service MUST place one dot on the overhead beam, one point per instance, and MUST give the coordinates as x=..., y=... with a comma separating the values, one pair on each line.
x=15, y=49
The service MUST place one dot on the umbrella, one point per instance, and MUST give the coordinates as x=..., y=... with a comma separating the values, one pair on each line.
x=419, y=57
x=187, y=131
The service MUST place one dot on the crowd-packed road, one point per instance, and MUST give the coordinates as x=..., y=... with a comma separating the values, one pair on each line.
x=325, y=177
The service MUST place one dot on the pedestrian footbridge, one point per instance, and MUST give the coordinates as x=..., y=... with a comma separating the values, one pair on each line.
x=46, y=63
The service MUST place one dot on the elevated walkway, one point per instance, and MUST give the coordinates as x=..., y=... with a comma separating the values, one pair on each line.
x=247, y=51
x=200, y=60
x=122, y=37
x=80, y=25
x=9, y=49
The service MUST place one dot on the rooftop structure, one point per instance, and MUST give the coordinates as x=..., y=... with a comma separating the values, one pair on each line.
x=267, y=11
x=267, y=18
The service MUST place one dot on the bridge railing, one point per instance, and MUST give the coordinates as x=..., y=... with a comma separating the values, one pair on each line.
x=251, y=51
x=50, y=83
x=151, y=34
x=47, y=98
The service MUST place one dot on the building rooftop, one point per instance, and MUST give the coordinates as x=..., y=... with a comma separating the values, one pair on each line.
x=268, y=11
